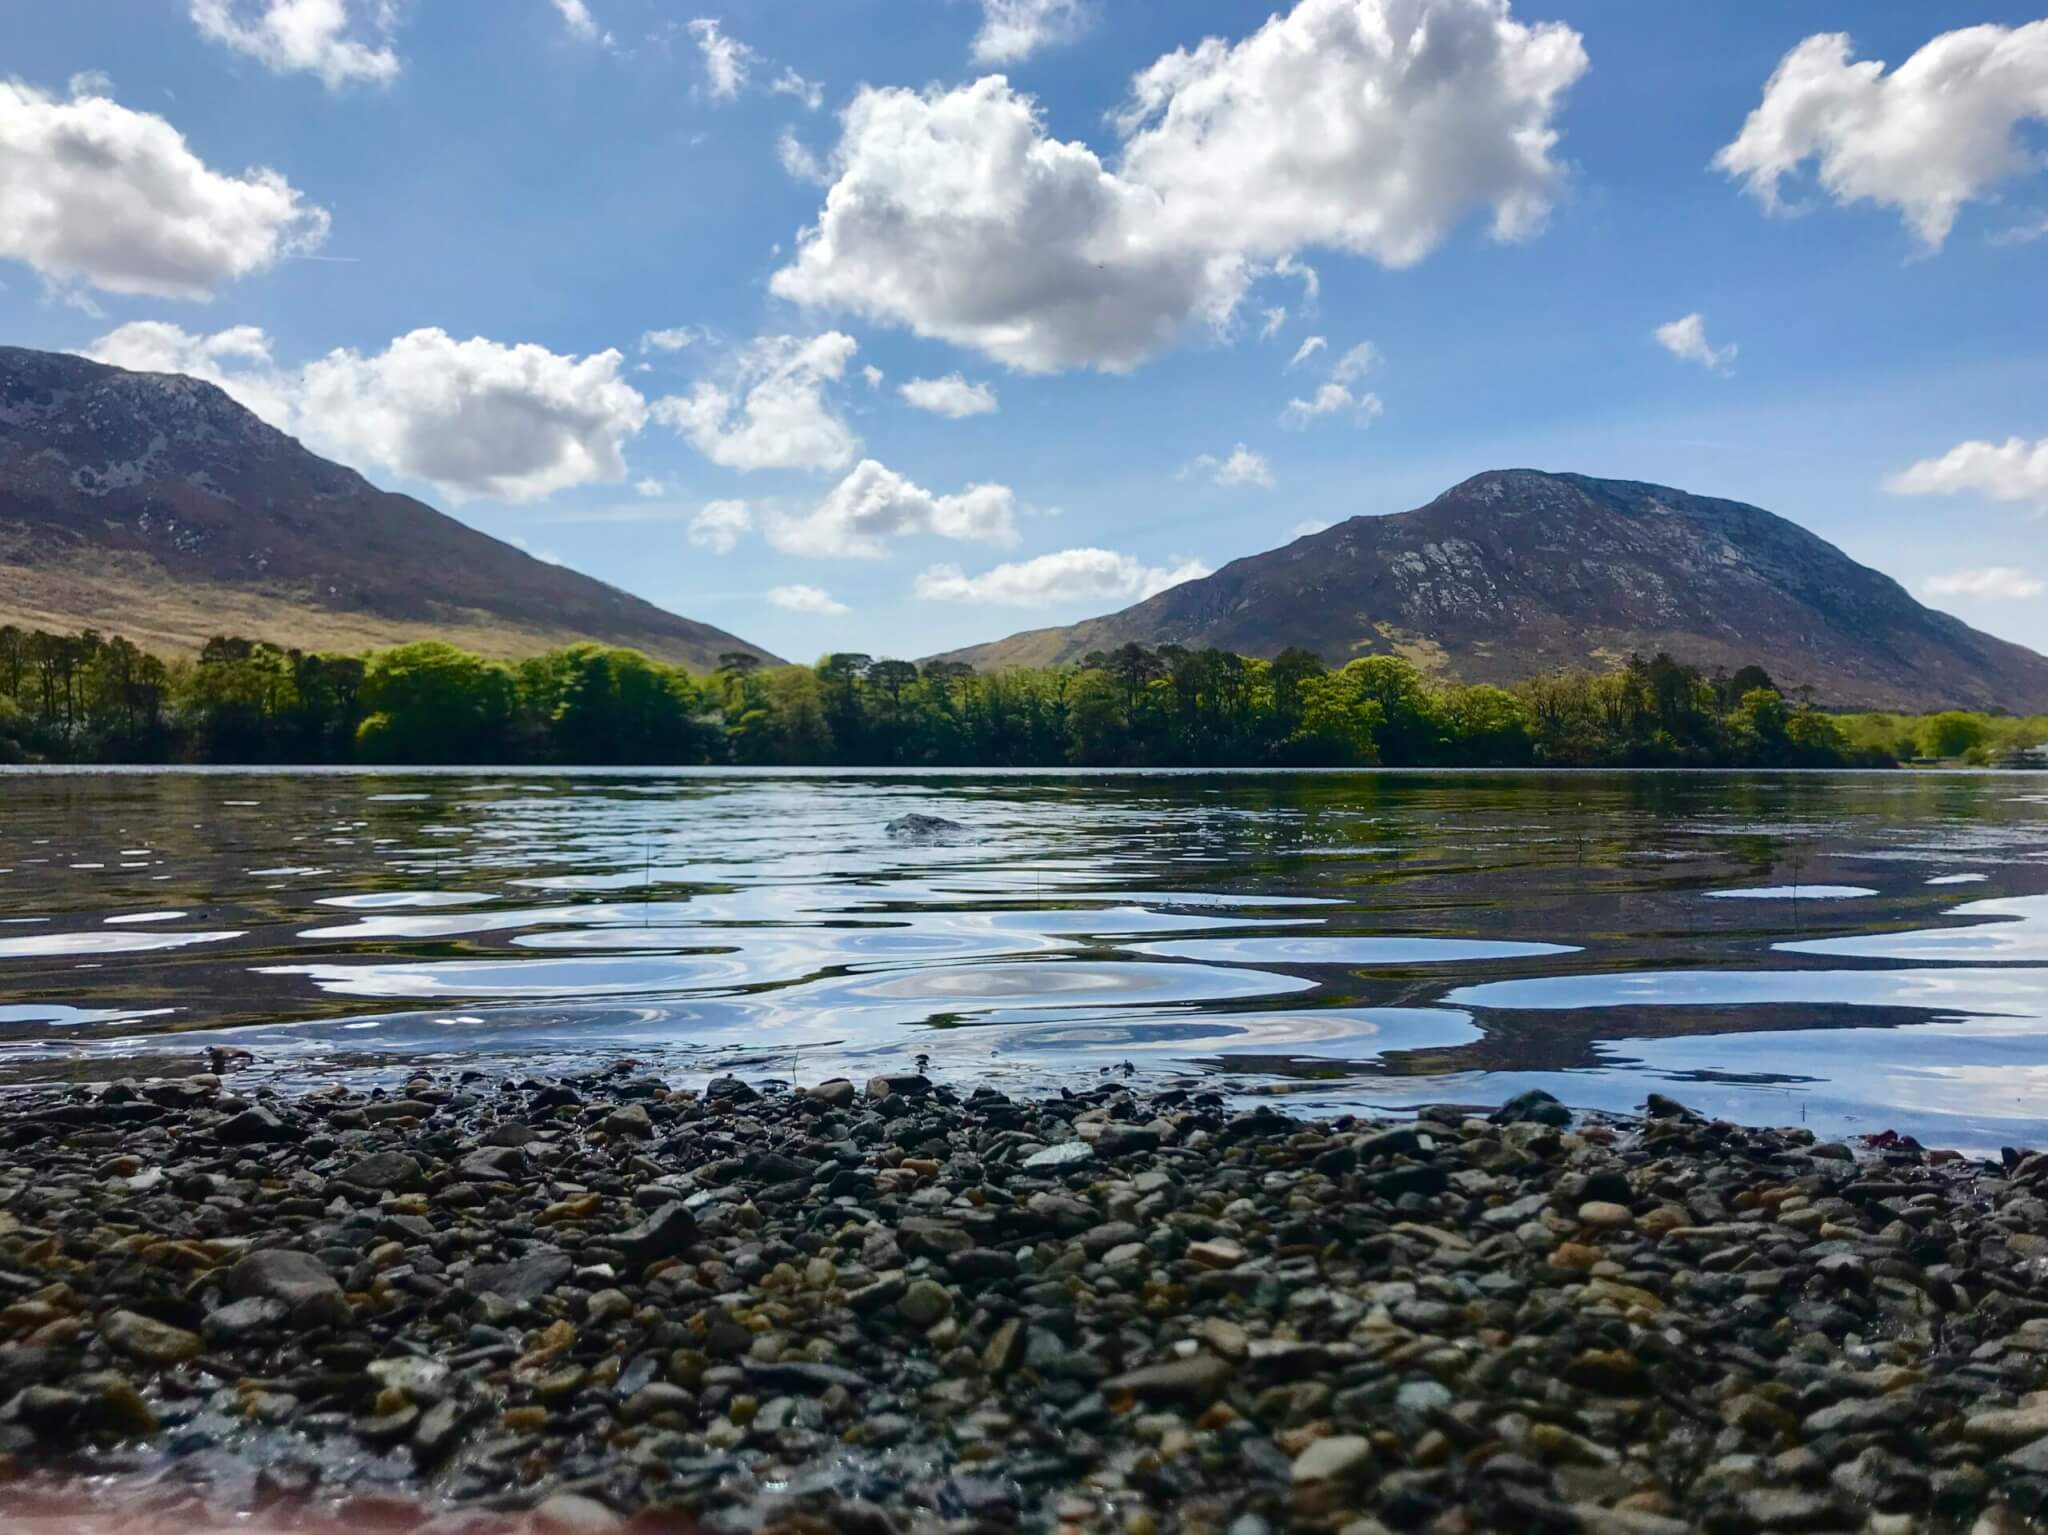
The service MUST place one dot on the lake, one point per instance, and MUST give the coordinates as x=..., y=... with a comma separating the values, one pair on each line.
x=1855, y=952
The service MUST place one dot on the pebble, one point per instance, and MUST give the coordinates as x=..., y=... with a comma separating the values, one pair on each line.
x=632, y=1121
x=148, y=1340
x=300, y=1282
x=1217, y=1254
x=925, y=1302
x=1340, y=1458
x=925, y=1307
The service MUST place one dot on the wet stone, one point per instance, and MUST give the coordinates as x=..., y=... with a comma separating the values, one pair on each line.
x=525, y=1278
x=242, y=1318
x=925, y=1303
x=1193, y=1382
x=816, y=1312
x=383, y=1170
x=632, y=1121
x=1341, y=1458
x=149, y=1341
x=664, y=1234
x=253, y=1126
x=901, y=1084
x=311, y=1295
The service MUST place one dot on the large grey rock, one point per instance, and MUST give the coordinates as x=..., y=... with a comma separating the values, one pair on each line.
x=383, y=1171
x=525, y=1278
x=253, y=1126
x=299, y=1280
x=917, y=827
x=899, y=1084
x=664, y=1234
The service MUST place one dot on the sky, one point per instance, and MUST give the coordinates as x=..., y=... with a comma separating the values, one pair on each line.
x=898, y=325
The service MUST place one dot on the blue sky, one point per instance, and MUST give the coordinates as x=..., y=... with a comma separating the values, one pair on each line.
x=465, y=207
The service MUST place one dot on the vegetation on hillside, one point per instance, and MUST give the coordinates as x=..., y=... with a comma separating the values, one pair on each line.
x=89, y=698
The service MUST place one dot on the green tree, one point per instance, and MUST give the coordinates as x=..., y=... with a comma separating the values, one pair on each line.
x=1410, y=732
x=1486, y=727
x=1340, y=721
x=1952, y=733
x=429, y=702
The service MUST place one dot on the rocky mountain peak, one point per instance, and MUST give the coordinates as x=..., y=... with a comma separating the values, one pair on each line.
x=1515, y=572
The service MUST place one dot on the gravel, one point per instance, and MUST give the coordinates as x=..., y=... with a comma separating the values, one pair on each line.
x=910, y=1307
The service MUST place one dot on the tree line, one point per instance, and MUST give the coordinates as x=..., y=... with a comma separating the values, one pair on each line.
x=93, y=698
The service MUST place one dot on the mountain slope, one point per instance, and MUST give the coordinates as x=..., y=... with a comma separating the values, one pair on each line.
x=1517, y=572
x=154, y=506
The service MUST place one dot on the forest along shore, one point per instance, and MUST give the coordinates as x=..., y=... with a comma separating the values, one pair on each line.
x=907, y=1306
x=89, y=698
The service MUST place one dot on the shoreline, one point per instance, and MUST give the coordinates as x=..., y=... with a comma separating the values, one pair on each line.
x=917, y=1306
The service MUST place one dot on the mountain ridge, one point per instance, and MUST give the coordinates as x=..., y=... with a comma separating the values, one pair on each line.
x=154, y=505
x=1515, y=572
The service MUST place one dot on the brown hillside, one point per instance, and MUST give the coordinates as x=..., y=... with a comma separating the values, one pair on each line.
x=154, y=506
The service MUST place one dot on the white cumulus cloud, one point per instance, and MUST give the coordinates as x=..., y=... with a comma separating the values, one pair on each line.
x=875, y=503
x=1013, y=30
x=1939, y=131
x=1994, y=583
x=474, y=418
x=770, y=410
x=789, y=83
x=2026, y=232
x=1331, y=399
x=1306, y=350
x=673, y=339
x=1241, y=467
x=1356, y=363
x=94, y=193
x=808, y=599
x=581, y=24
x=798, y=161
x=2013, y=470
x=719, y=525
x=731, y=66
x=727, y=60
x=1369, y=126
x=306, y=36
x=952, y=213
x=1686, y=339
x=1070, y=575
x=950, y=396
x=237, y=359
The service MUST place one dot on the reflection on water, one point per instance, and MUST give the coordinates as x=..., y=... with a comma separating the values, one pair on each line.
x=1769, y=947
x=1794, y=893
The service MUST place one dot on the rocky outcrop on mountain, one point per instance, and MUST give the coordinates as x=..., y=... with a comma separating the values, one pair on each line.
x=155, y=506
x=1517, y=572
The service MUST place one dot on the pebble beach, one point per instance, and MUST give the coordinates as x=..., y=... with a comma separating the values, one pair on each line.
x=477, y=1303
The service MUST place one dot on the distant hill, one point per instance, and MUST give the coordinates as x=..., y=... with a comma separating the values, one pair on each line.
x=152, y=505
x=1517, y=572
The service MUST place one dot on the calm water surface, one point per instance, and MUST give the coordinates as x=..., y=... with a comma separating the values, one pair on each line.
x=1856, y=952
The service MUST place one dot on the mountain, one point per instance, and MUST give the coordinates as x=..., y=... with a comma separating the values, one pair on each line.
x=1517, y=572
x=153, y=506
